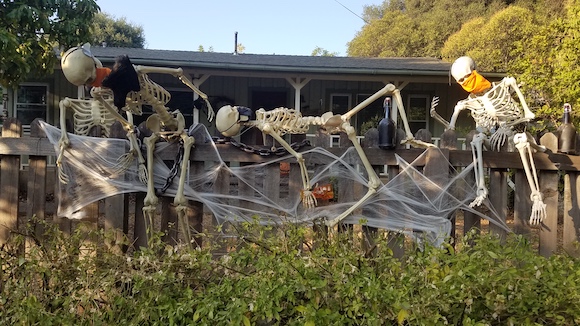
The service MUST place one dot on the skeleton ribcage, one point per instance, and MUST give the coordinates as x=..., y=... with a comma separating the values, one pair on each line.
x=150, y=94
x=495, y=107
x=283, y=120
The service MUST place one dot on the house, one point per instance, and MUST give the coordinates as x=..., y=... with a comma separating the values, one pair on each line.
x=313, y=84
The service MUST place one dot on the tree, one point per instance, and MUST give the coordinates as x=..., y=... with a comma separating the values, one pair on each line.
x=550, y=68
x=416, y=28
x=320, y=52
x=32, y=29
x=110, y=31
x=493, y=43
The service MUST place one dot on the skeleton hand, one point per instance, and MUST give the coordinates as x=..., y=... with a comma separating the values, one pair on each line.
x=308, y=199
x=434, y=104
x=481, y=195
x=498, y=138
x=538, y=209
x=63, y=142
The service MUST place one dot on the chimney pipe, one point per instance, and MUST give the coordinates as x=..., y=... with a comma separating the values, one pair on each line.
x=236, y=43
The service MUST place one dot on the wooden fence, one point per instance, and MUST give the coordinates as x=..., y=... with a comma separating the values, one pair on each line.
x=28, y=187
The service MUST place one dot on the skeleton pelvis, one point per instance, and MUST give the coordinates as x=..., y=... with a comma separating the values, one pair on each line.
x=175, y=123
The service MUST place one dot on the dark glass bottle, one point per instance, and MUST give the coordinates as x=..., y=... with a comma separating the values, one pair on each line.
x=567, y=139
x=387, y=129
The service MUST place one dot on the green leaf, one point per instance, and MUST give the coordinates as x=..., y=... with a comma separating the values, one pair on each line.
x=402, y=316
x=300, y=309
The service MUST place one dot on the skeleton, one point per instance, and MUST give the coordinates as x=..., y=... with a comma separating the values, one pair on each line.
x=81, y=68
x=496, y=112
x=281, y=121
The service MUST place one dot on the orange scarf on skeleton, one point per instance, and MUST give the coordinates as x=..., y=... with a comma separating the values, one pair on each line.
x=101, y=74
x=475, y=83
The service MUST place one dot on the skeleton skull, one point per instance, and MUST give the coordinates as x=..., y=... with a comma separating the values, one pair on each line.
x=228, y=119
x=462, y=68
x=79, y=65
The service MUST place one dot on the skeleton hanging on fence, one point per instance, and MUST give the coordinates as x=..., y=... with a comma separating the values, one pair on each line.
x=127, y=87
x=496, y=116
x=281, y=121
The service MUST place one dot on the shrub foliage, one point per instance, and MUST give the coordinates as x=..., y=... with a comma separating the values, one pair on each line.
x=277, y=276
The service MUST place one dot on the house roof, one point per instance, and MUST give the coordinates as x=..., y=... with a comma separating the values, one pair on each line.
x=279, y=63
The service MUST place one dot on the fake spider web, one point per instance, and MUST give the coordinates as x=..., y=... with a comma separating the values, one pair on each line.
x=411, y=203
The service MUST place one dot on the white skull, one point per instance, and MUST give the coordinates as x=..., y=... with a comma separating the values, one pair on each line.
x=461, y=68
x=79, y=65
x=227, y=121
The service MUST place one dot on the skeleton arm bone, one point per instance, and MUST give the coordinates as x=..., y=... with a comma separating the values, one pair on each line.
x=309, y=200
x=64, y=141
x=126, y=159
x=528, y=114
x=436, y=115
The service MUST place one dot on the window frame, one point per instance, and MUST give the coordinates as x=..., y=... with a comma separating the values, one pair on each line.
x=426, y=118
x=45, y=105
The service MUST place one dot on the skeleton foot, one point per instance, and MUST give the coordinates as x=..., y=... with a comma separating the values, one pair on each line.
x=538, y=209
x=308, y=199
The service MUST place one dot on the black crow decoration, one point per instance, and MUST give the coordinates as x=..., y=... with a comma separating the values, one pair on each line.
x=122, y=80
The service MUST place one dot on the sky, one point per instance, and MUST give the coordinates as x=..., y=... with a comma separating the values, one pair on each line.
x=286, y=27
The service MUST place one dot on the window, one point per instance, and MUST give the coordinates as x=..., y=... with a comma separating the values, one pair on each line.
x=371, y=114
x=418, y=112
x=340, y=103
x=31, y=103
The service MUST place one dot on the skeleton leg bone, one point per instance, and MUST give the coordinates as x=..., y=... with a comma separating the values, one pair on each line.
x=477, y=150
x=180, y=201
x=525, y=143
x=151, y=199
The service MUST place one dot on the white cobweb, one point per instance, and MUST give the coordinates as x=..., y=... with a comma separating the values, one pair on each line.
x=411, y=203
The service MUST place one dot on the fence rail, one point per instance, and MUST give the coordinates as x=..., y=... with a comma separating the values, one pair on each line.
x=32, y=190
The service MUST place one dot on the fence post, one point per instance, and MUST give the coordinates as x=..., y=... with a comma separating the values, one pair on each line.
x=9, y=174
x=36, y=188
x=371, y=140
x=437, y=167
x=89, y=223
x=195, y=211
x=348, y=190
x=549, y=187
x=522, y=204
x=571, y=218
x=498, y=182
x=117, y=207
x=449, y=141
x=571, y=222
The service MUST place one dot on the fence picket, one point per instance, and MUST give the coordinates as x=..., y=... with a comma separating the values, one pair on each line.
x=549, y=186
x=36, y=188
x=9, y=174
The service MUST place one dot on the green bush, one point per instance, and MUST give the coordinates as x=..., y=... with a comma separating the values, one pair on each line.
x=279, y=276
